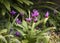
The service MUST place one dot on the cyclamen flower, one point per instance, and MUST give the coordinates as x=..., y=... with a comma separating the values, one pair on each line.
x=35, y=13
x=28, y=19
x=13, y=12
x=18, y=21
x=17, y=33
x=47, y=14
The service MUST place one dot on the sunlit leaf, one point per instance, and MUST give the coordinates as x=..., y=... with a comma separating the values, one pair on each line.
x=15, y=40
x=24, y=23
x=3, y=31
x=3, y=38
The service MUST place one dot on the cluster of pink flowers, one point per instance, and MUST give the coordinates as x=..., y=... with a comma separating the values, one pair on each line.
x=34, y=16
x=18, y=21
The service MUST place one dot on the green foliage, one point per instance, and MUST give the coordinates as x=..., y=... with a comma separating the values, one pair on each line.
x=29, y=33
x=54, y=10
x=7, y=5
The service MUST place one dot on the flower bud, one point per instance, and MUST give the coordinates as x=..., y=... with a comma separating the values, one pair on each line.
x=47, y=14
x=12, y=12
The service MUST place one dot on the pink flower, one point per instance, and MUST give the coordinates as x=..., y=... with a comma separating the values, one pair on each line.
x=28, y=19
x=18, y=21
x=12, y=12
x=35, y=13
x=47, y=14
x=17, y=33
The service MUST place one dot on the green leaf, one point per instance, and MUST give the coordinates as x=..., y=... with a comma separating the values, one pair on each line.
x=9, y=35
x=32, y=33
x=24, y=23
x=23, y=34
x=24, y=41
x=33, y=26
x=3, y=39
x=14, y=40
x=20, y=1
x=45, y=20
x=45, y=30
x=51, y=21
x=27, y=2
x=3, y=31
x=18, y=8
x=40, y=21
x=7, y=5
x=19, y=25
x=13, y=21
x=53, y=3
